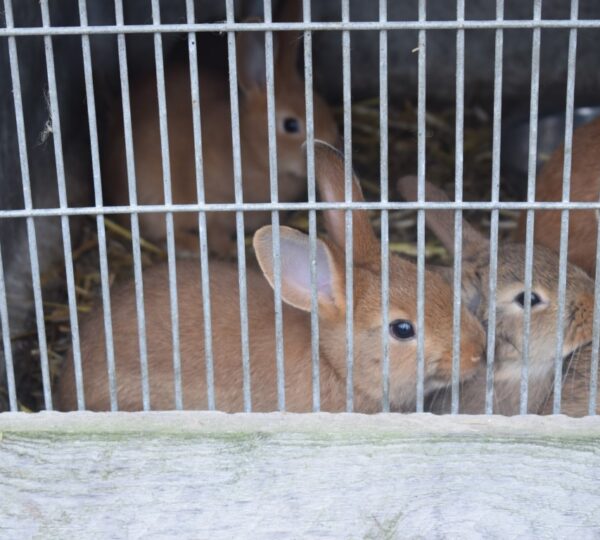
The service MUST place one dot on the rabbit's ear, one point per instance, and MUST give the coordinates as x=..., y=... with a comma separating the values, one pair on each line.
x=471, y=288
x=251, y=66
x=295, y=270
x=330, y=177
x=288, y=43
x=441, y=222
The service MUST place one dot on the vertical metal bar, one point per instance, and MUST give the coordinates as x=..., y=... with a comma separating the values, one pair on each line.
x=199, y=166
x=421, y=137
x=63, y=203
x=312, y=214
x=348, y=213
x=564, y=215
x=166, y=170
x=272, y=133
x=239, y=198
x=458, y=176
x=533, y=130
x=8, y=358
x=135, y=227
x=595, y=334
x=96, y=173
x=383, y=173
x=496, y=138
x=27, y=199
x=62, y=195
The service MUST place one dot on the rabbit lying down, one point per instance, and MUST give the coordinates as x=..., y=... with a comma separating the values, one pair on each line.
x=576, y=325
x=217, y=148
x=296, y=294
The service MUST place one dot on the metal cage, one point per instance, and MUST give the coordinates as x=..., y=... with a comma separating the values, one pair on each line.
x=347, y=28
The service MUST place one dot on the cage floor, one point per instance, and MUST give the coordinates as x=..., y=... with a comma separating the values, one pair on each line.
x=440, y=156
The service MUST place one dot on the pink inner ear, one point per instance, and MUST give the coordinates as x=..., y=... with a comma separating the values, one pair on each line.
x=295, y=267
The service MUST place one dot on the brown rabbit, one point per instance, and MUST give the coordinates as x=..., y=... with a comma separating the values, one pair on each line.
x=579, y=306
x=216, y=138
x=583, y=228
x=295, y=278
x=585, y=187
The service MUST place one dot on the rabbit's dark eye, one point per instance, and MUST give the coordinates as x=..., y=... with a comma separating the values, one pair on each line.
x=291, y=125
x=401, y=329
x=520, y=299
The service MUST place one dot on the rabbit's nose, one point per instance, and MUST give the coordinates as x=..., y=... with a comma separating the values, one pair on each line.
x=476, y=353
x=474, y=345
x=473, y=356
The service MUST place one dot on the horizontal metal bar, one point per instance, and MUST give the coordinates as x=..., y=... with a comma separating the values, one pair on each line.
x=289, y=26
x=285, y=206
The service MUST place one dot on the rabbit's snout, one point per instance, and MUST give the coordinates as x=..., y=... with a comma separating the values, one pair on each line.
x=472, y=352
x=471, y=359
x=473, y=342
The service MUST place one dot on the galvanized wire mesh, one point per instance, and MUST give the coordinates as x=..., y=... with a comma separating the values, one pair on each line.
x=239, y=207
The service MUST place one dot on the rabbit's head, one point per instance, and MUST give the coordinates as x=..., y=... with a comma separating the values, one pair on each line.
x=366, y=300
x=290, y=100
x=578, y=308
x=510, y=292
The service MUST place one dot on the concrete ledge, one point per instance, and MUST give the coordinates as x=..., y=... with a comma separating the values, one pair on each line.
x=317, y=424
x=214, y=475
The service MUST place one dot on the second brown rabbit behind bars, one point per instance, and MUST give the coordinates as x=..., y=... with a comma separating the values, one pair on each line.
x=296, y=293
x=583, y=228
x=510, y=297
x=217, y=149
